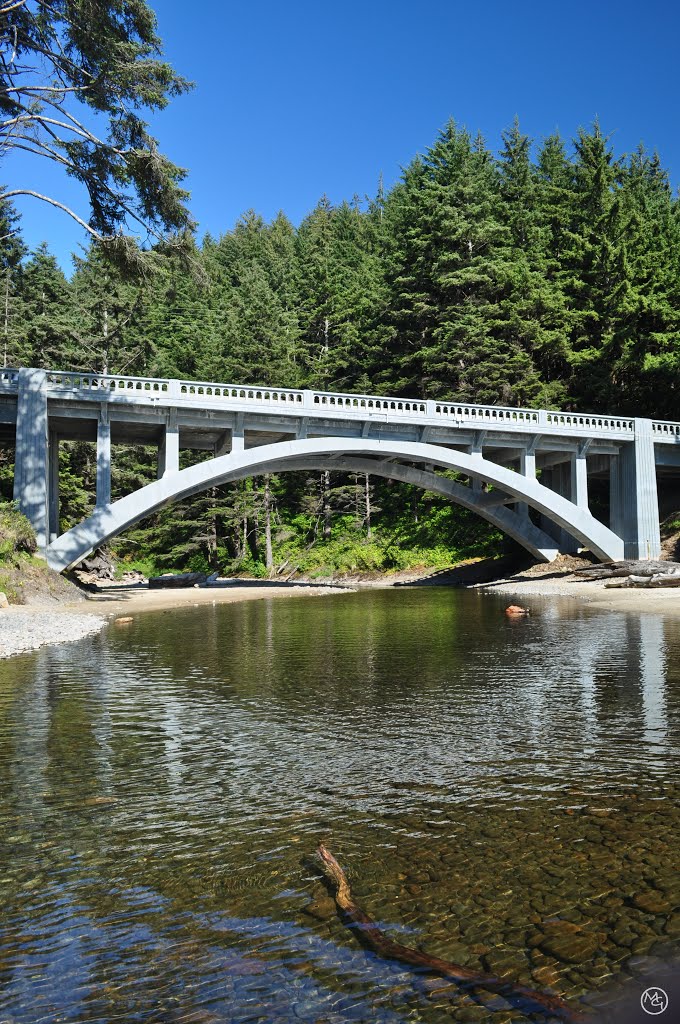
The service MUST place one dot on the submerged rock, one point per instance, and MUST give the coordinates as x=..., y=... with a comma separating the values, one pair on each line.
x=570, y=947
x=651, y=902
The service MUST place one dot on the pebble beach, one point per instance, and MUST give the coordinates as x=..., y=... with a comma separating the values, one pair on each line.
x=26, y=629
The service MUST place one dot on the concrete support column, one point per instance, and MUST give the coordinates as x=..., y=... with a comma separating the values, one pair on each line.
x=527, y=467
x=559, y=479
x=477, y=448
x=634, y=501
x=103, y=458
x=238, y=434
x=168, y=449
x=53, y=487
x=31, y=476
x=615, y=495
x=579, y=480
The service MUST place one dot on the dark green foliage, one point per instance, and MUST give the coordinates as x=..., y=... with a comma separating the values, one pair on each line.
x=539, y=276
x=42, y=320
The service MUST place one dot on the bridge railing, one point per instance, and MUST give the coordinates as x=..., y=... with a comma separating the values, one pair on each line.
x=236, y=393
x=58, y=380
x=581, y=421
x=9, y=379
x=480, y=416
x=665, y=429
x=368, y=403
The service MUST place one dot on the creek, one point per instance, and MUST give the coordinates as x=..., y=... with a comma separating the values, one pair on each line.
x=502, y=793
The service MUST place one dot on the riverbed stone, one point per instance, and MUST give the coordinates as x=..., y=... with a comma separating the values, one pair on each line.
x=571, y=948
x=672, y=925
x=322, y=909
x=547, y=976
x=651, y=902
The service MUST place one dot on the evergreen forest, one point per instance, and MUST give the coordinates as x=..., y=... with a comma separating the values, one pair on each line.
x=542, y=274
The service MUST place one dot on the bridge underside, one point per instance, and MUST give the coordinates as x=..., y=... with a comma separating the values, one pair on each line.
x=397, y=460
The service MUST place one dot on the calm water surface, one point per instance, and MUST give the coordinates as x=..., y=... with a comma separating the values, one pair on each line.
x=504, y=794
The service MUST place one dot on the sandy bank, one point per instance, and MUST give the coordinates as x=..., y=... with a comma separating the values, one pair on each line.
x=122, y=599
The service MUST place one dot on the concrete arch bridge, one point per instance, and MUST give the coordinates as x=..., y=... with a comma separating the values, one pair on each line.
x=526, y=471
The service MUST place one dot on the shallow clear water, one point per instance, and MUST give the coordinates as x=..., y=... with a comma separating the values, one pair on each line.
x=504, y=794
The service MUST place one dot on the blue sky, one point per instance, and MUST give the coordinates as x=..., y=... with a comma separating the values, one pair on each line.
x=293, y=100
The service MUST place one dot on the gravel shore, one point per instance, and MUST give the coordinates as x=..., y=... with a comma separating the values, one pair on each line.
x=26, y=629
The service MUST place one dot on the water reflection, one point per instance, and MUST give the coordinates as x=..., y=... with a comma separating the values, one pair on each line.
x=506, y=792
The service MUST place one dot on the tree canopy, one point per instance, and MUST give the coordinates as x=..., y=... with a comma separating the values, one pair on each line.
x=75, y=79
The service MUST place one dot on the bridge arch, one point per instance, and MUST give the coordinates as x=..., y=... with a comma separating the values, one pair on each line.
x=361, y=455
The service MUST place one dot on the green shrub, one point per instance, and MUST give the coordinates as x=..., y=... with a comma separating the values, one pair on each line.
x=16, y=533
x=144, y=564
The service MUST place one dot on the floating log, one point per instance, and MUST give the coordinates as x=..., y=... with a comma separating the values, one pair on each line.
x=371, y=935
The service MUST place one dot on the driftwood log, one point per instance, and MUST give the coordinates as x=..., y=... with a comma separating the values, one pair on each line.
x=629, y=567
x=174, y=580
x=647, y=574
x=372, y=936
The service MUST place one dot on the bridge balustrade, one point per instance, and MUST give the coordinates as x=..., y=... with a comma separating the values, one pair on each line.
x=666, y=428
x=239, y=393
x=105, y=382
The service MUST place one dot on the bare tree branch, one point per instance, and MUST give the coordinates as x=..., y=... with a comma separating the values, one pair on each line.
x=6, y=8
x=53, y=202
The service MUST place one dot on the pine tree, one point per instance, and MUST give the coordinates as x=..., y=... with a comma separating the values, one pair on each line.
x=452, y=276
x=646, y=376
x=595, y=271
x=534, y=306
x=12, y=251
x=44, y=315
x=104, y=312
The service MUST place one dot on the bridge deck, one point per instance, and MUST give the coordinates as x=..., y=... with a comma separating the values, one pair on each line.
x=204, y=406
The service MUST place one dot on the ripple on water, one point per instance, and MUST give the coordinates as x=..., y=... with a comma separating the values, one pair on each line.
x=504, y=795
